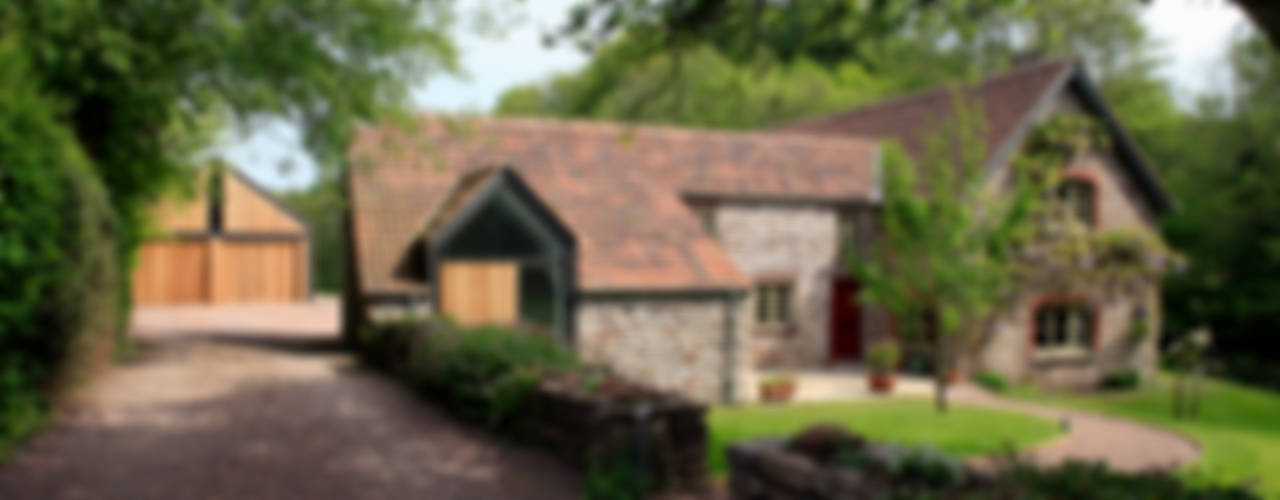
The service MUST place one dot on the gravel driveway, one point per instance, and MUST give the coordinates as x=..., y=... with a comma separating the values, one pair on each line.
x=258, y=402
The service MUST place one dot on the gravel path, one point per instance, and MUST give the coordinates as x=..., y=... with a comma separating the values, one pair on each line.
x=1123, y=444
x=259, y=403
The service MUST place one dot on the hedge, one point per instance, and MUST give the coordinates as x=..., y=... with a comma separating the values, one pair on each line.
x=484, y=372
x=58, y=305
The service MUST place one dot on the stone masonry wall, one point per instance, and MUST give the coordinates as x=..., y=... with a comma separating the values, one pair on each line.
x=793, y=243
x=677, y=342
x=1119, y=206
x=1010, y=350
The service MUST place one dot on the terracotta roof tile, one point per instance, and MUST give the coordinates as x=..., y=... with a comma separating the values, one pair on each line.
x=619, y=189
x=1004, y=101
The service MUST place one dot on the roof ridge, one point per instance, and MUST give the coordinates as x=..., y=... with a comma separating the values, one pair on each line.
x=936, y=91
x=599, y=126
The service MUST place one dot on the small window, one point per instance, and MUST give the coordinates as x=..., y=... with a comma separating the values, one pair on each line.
x=1064, y=327
x=773, y=303
x=706, y=216
x=1077, y=196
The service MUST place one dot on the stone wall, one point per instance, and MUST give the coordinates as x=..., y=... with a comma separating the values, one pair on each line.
x=766, y=469
x=1010, y=349
x=680, y=342
x=665, y=441
x=793, y=243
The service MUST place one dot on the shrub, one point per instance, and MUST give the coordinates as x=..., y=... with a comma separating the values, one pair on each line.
x=825, y=442
x=58, y=305
x=486, y=372
x=1095, y=480
x=992, y=381
x=1121, y=379
x=883, y=356
x=911, y=471
x=617, y=479
x=778, y=380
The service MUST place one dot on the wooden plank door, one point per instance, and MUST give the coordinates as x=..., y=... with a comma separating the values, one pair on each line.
x=479, y=292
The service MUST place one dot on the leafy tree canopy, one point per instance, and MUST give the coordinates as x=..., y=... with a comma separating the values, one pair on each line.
x=1228, y=182
x=740, y=64
x=143, y=85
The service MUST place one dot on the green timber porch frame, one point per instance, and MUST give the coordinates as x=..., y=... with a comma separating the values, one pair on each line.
x=555, y=253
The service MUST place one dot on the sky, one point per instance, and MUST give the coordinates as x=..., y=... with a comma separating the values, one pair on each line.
x=1195, y=35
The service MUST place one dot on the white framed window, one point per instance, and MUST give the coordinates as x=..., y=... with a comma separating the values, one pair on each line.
x=1079, y=198
x=1064, y=328
x=773, y=303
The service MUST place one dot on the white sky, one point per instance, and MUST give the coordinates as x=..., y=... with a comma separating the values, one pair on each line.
x=1194, y=35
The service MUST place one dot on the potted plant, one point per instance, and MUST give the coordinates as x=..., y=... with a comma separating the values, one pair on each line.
x=777, y=388
x=883, y=358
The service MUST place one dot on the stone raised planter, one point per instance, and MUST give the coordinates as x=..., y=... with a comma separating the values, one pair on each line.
x=662, y=433
x=772, y=469
x=765, y=469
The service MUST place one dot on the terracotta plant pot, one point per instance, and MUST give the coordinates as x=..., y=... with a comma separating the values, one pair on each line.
x=777, y=391
x=882, y=383
x=954, y=378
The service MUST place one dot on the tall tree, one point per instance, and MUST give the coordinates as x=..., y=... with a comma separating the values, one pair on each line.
x=944, y=261
x=138, y=84
x=672, y=61
x=1228, y=187
x=698, y=88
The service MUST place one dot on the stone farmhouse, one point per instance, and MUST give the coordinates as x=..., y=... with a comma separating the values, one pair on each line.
x=693, y=259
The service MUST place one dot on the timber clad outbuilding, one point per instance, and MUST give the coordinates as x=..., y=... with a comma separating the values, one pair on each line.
x=238, y=245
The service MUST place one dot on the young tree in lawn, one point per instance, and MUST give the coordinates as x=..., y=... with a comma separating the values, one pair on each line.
x=945, y=259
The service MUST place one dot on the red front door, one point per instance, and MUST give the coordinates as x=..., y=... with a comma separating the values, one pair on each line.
x=846, y=321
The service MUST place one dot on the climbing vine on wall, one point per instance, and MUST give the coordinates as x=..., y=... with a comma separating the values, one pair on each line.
x=1066, y=254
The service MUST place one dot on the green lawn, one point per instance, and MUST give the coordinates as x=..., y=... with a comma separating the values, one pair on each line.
x=964, y=430
x=1238, y=428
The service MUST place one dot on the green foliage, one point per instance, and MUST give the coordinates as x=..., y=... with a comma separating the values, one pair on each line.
x=142, y=87
x=700, y=62
x=944, y=260
x=965, y=430
x=1122, y=379
x=883, y=357
x=698, y=88
x=1224, y=223
x=321, y=207
x=1235, y=427
x=617, y=479
x=56, y=252
x=823, y=30
x=487, y=372
x=992, y=381
x=776, y=380
x=1095, y=480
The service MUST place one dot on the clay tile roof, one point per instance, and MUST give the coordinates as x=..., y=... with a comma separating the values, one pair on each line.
x=619, y=189
x=1005, y=101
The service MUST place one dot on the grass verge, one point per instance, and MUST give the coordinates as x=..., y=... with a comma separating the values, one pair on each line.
x=964, y=430
x=1238, y=427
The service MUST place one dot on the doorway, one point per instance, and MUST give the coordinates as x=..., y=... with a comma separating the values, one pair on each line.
x=846, y=320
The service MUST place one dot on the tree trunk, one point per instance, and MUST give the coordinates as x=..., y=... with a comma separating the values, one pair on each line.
x=941, y=371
